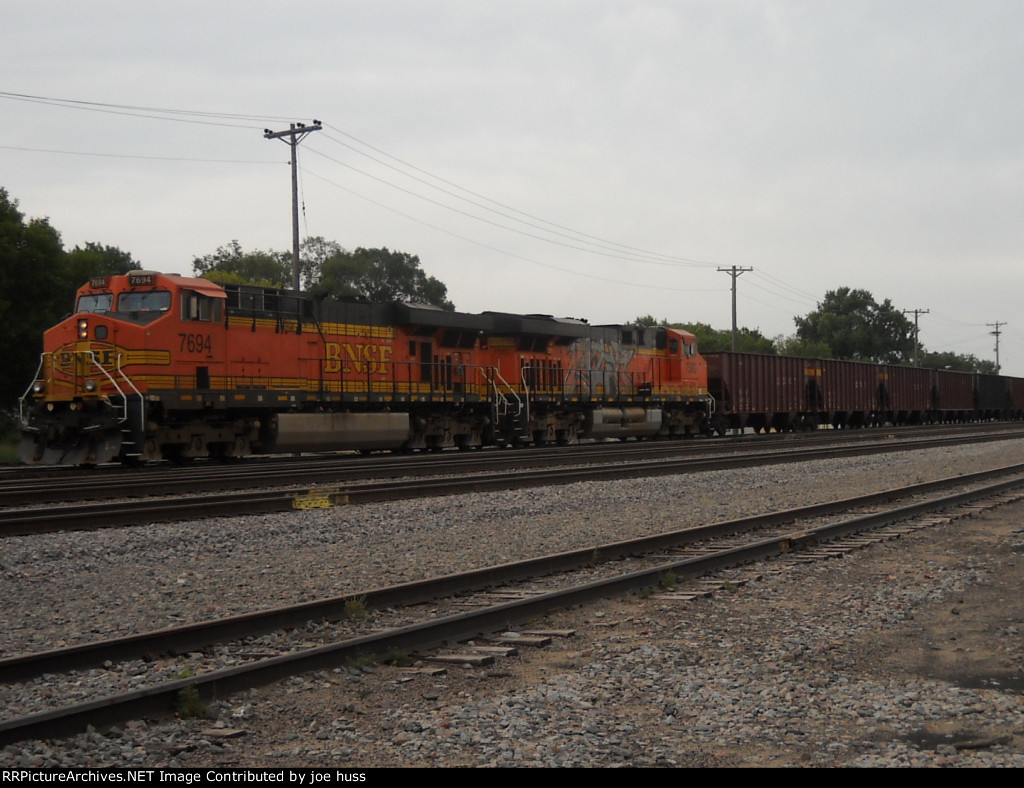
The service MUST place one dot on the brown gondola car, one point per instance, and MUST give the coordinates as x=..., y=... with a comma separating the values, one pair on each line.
x=779, y=393
x=952, y=396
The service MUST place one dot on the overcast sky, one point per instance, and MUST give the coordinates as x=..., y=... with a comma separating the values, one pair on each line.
x=590, y=159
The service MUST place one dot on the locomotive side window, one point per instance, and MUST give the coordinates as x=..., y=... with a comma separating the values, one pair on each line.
x=95, y=302
x=673, y=346
x=195, y=306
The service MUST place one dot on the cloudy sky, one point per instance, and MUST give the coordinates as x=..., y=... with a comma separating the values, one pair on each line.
x=588, y=158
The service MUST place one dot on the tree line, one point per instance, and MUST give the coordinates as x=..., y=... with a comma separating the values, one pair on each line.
x=327, y=270
x=38, y=280
x=847, y=324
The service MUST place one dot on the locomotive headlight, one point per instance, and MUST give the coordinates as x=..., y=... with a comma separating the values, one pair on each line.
x=83, y=329
x=90, y=386
x=38, y=388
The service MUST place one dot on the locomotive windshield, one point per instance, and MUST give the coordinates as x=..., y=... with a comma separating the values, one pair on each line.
x=146, y=301
x=95, y=302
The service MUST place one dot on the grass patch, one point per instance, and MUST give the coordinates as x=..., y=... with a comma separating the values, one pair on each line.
x=9, y=452
x=356, y=608
x=190, y=703
x=398, y=659
x=361, y=662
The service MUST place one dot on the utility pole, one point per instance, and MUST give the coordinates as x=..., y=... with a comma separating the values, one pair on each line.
x=294, y=136
x=735, y=273
x=917, y=344
x=997, y=325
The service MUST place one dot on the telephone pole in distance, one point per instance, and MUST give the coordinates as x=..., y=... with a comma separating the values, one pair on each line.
x=293, y=136
x=735, y=273
x=917, y=344
x=997, y=325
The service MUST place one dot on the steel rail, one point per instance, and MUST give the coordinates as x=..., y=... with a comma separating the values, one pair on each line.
x=192, y=637
x=159, y=700
x=121, y=513
x=116, y=482
x=92, y=516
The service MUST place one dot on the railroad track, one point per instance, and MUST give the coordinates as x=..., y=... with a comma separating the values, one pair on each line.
x=600, y=465
x=27, y=486
x=433, y=613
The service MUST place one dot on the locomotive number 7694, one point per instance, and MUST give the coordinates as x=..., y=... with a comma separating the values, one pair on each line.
x=196, y=343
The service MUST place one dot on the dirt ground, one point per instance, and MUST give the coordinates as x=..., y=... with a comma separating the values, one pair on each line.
x=975, y=640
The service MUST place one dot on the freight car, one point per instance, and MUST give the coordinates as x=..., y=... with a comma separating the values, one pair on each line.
x=778, y=393
x=154, y=366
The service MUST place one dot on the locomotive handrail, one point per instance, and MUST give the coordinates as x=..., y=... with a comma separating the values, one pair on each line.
x=142, y=399
x=113, y=383
x=35, y=379
x=501, y=402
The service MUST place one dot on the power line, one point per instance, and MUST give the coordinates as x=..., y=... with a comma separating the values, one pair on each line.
x=136, y=156
x=560, y=230
x=151, y=113
x=482, y=219
x=505, y=252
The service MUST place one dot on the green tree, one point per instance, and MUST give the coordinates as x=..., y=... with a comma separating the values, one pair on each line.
x=854, y=326
x=38, y=280
x=233, y=265
x=795, y=347
x=94, y=259
x=33, y=294
x=313, y=253
x=380, y=275
x=957, y=362
x=748, y=340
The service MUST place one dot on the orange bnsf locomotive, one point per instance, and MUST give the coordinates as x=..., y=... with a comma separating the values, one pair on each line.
x=155, y=366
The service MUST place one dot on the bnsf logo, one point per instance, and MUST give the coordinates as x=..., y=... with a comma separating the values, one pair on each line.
x=106, y=357
x=351, y=357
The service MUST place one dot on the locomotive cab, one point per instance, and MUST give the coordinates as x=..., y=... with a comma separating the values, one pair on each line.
x=88, y=401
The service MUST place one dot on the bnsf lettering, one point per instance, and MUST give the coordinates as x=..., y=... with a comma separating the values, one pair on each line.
x=107, y=358
x=196, y=343
x=357, y=358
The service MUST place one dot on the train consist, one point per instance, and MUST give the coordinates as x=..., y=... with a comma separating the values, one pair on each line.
x=154, y=366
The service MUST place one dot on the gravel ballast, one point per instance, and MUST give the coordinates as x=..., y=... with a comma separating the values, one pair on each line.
x=769, y=675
